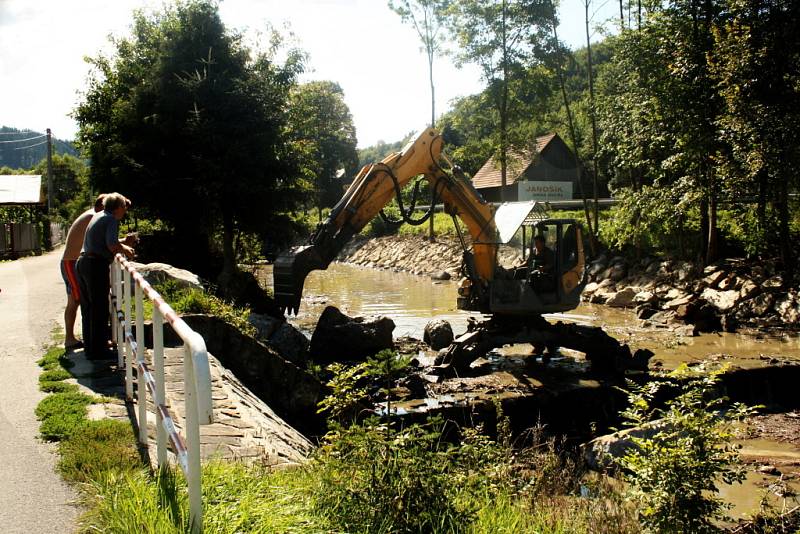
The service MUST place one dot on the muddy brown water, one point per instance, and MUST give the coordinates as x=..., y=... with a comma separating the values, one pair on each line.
x=412, y=301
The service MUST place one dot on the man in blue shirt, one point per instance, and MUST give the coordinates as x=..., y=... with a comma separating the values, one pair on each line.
x=100, y=244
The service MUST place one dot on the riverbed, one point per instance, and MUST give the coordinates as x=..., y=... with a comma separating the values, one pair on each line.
x=412, y=301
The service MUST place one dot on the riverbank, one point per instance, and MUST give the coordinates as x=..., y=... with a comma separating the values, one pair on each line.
x=729, y=295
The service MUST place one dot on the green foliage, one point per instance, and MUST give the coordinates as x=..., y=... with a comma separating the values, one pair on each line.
x=674, y=472
x=62, y=414
x=194, y=300
x=54, y=375
x=372, y=480
x=97, y=448
x=347, y=390
x=192, y=123
x=323, y=132
x=54, y=358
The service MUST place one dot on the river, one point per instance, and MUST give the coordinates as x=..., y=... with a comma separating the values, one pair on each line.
x=411, y=301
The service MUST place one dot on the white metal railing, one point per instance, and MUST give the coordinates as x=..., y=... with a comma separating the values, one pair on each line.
x=196, y=374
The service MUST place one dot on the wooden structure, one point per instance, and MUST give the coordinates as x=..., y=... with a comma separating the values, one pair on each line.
x=24, y=191
x=545, y=173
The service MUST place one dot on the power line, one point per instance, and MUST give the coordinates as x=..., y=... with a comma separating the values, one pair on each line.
x=27, y=139
x=31, y=146
x=17, y=133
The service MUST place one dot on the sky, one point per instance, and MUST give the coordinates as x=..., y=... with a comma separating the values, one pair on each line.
x=361, y=44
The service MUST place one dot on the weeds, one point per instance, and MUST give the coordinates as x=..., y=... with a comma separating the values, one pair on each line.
x=673, y=472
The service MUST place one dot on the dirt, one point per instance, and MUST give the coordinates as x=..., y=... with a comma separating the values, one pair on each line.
x=781, y=427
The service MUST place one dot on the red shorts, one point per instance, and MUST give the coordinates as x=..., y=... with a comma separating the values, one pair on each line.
x=71, y=279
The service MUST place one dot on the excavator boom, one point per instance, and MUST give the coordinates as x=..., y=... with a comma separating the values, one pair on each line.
x=373, y=188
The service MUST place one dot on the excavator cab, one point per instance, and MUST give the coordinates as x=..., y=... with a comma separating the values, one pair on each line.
x=546, y=282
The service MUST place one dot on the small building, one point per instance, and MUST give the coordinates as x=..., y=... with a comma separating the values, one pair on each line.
x=22, y=191
x=546, y=173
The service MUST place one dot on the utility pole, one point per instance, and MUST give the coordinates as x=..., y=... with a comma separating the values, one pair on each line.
x=49, y=171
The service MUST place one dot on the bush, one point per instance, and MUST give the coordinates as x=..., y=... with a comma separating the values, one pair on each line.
x=372, y=479
x=673, y=474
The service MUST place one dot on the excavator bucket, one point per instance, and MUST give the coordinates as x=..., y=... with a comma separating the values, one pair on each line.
x=289, y=274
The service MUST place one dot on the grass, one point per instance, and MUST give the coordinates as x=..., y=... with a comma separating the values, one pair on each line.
x=193, y=300
x=122, y=495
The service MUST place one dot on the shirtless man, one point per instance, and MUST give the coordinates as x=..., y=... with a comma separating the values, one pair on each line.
x=72, y=252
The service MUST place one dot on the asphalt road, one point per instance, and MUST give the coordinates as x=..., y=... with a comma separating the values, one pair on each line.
x=33, y=498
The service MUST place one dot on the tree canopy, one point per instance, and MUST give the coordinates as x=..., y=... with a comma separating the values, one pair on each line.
x=191, y=124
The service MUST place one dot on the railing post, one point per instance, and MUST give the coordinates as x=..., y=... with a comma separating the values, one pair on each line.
x=141, y=386
x=126, y=291
x=193, y=475
x=158, y=360
x=119, y=328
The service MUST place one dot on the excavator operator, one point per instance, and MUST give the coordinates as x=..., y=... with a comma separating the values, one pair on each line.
x=542, y=263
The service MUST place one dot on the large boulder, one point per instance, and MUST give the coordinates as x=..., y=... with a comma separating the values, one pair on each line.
x=623, y=299
x=339, y=337
x=158, y=273
x=438, y=334
x=601, y=453
x=761, y=304
x=723, y=301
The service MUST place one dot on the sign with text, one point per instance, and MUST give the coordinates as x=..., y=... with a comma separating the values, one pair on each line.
x=544, y=191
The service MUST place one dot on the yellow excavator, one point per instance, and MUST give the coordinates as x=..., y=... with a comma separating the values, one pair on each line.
x=515, y=297
x=486, y=286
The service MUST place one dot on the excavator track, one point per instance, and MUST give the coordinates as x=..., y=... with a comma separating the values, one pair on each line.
x=606, y=354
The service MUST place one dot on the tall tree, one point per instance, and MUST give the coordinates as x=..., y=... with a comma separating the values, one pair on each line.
x=190, y=123
x=427, y=17
x=504, y=38
x=322, y=129
x=756, y=63
x=661, y=108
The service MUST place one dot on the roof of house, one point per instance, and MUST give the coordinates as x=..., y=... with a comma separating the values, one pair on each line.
x=21, y=189
x=517, y=163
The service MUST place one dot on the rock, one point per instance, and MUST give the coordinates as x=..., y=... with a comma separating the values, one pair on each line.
x=684, y=270
x=596, y=269
x=645, y=311
x=774, y=282
x=601, y=452
x=662, y=317
x=645, y=297
x=706, y=319
x=617, y=272
x=729, y=282
x=339, y=337
x=788, y=309
x=748, y=289
x=622, y=299
x=590, y=288
x=157, y=273
x=676, y=303
x=617, y=260
x=685, y=312
x=688, y=330
x=287, y=341
x=443, y=275
x=729, y=322
x=714, y=278
x=761, y=304
x=723, y=301
x=438, y=334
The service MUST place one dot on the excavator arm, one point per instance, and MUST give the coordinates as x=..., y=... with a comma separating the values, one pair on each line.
x=373, y=188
